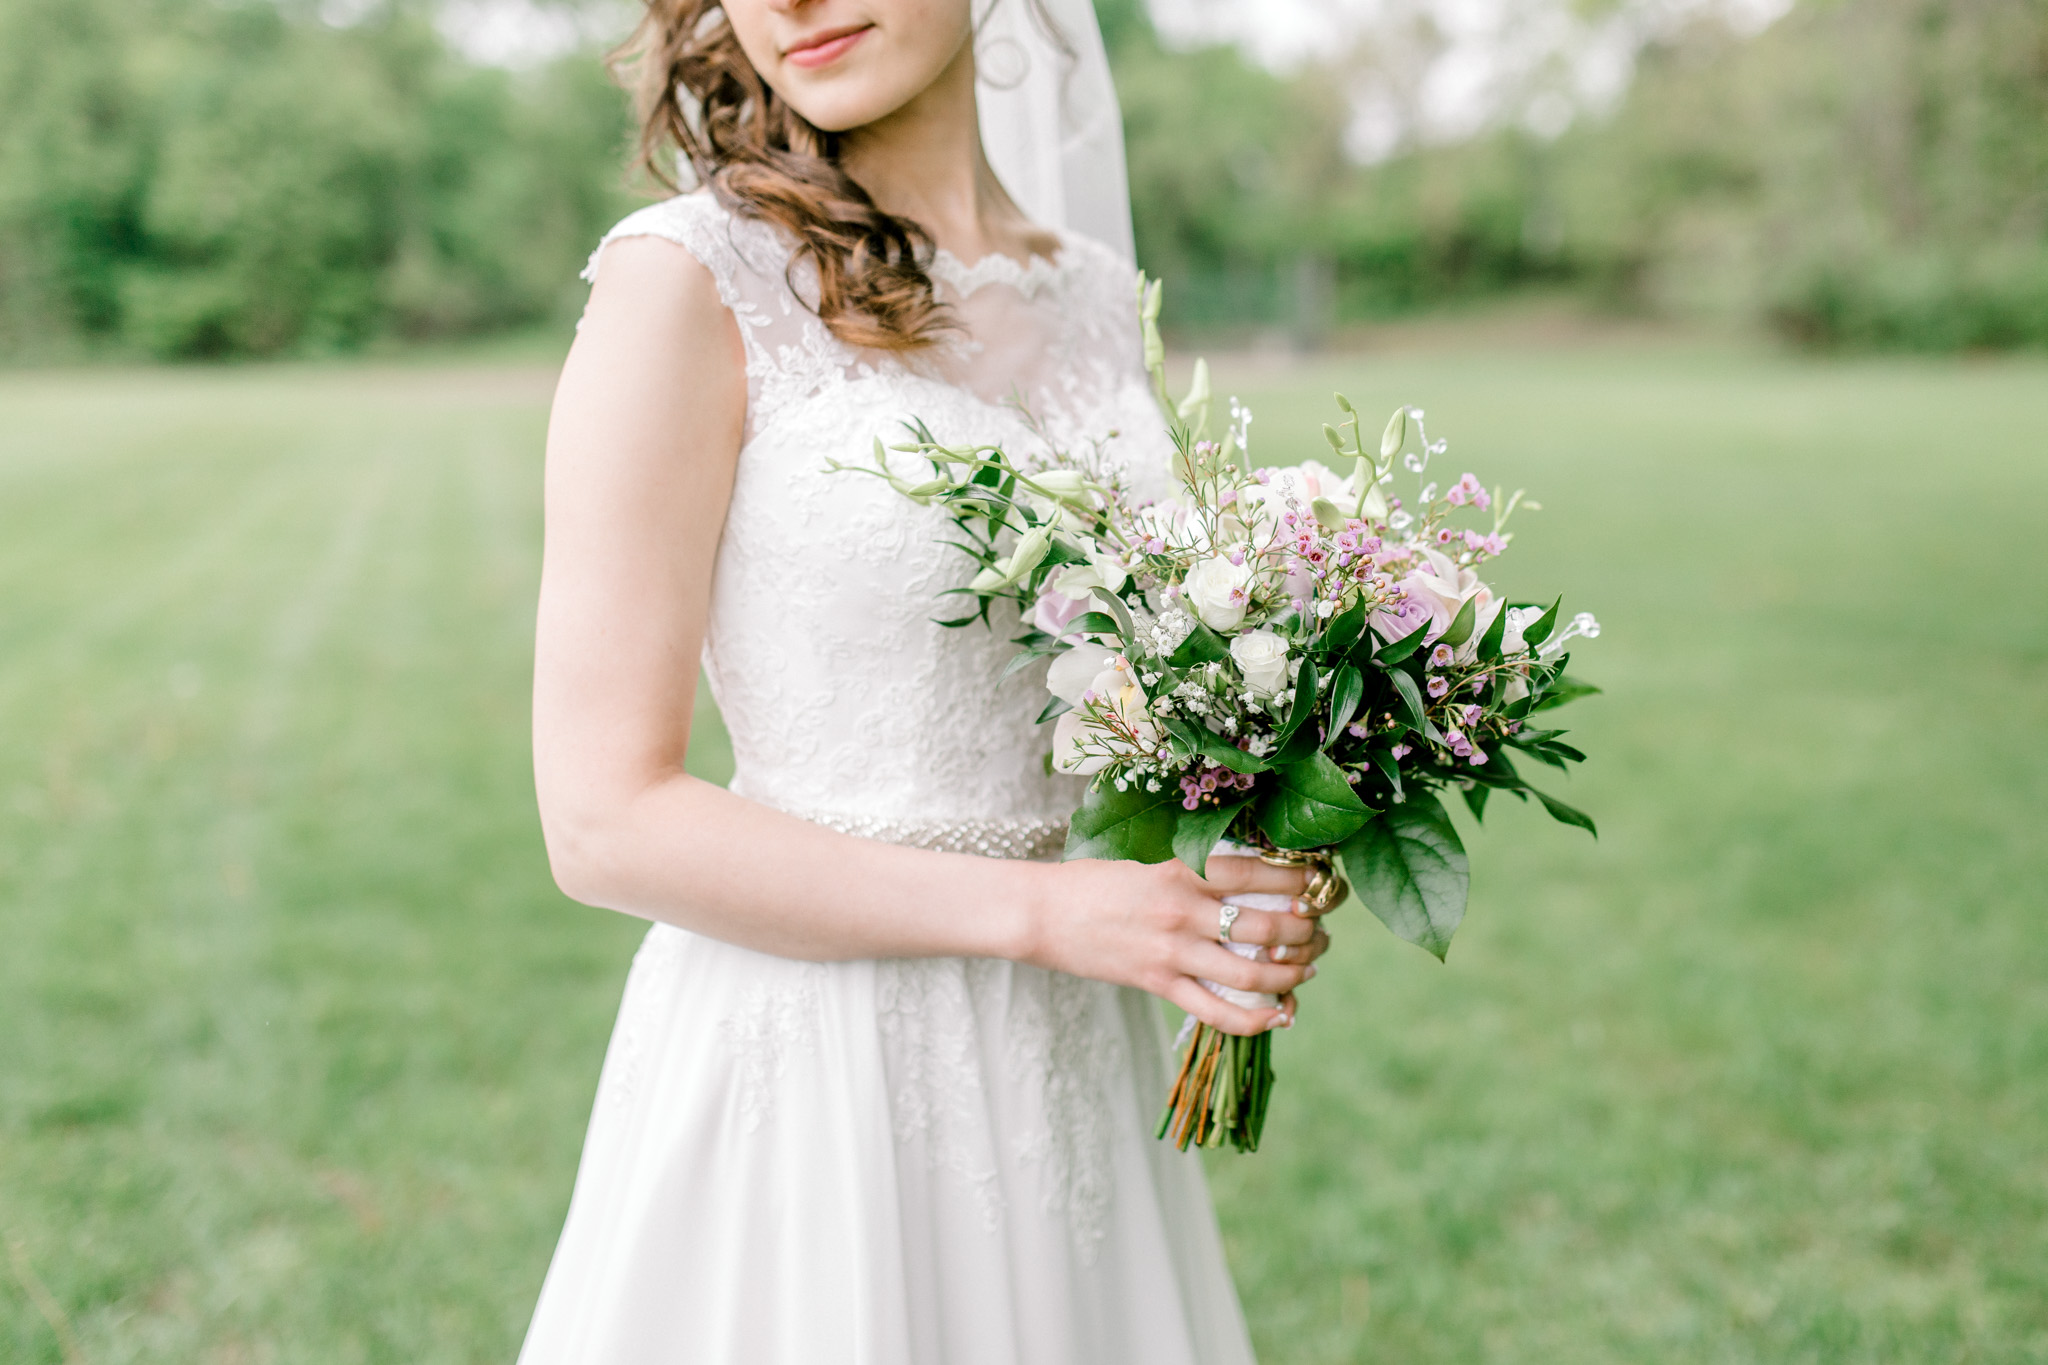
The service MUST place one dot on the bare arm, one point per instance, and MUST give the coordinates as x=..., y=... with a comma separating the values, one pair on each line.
x=642, y=448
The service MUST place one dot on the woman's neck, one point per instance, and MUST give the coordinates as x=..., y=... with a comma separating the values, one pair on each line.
x=925, y=163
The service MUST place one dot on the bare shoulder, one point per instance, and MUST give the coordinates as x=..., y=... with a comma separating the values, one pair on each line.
x=650, y=288
x=655, y=383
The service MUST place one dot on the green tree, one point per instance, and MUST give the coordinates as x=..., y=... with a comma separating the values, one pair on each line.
x=226, y=177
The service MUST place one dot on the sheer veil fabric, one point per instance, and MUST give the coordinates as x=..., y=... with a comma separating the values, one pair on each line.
x=907, y=1162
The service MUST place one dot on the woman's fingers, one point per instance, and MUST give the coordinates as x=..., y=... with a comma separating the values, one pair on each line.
x=1213, y=1010
x=1214, y=962
x=1301, y=952
x=1231, y=876
x=1266, y=928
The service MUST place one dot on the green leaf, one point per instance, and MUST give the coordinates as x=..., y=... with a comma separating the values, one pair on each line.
x=1461, y=624
x=1343, y=631
x=1216, y=748
x=1489, y=643
x=1202, y=646
x=1540, y=631
x=1296, y=749
x=1411, y=699
x=1125, y=631
x=1475, y=801
x=1022, y=659
x=1057, y=707
x=1304, y=704
x=1311, y=805
x=1565, y=815
x=1409, y=868
x=1132, y=826
x=1562, y=691
x=1197, y=831
x=1344, y=698
x=1090, y=623
x=1400, y=649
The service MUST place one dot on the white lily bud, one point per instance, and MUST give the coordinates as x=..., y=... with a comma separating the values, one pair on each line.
x=1395, y=436
x=1067, y=485
x=1031, y=549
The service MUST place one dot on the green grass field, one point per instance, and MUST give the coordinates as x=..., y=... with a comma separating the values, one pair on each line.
x=297, y=1039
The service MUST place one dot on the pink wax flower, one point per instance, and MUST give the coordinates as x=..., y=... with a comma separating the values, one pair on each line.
x=1468, y=490
x=1438, y=685
x=1440, y=657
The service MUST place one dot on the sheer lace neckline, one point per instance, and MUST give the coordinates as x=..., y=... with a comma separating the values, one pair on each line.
x=1026, y=277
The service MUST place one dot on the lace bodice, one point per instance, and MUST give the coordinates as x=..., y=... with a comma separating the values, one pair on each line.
x=840, y=692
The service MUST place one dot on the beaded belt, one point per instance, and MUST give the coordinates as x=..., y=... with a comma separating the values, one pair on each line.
x=1037, y=840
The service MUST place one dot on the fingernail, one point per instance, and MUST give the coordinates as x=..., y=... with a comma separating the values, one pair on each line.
x=1299, y=907
x=1308, y=973
x=1280, y=953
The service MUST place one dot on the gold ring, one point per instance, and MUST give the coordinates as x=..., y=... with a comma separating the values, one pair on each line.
x=1325, y=890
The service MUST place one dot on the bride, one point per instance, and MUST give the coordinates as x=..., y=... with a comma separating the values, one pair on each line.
x=884, y=1079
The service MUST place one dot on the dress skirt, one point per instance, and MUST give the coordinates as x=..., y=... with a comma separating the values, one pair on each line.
x=920, y=1162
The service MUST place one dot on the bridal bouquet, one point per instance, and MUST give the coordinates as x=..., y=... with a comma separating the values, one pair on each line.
x=1294, y=660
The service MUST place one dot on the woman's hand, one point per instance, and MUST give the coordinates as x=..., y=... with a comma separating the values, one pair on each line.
x=1155, y=927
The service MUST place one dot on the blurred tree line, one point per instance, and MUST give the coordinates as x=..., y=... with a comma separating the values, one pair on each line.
x=1864, y=172
x=192, y=178
x=236, y=177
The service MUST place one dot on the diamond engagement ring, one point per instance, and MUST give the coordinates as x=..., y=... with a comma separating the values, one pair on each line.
x=1223, y=922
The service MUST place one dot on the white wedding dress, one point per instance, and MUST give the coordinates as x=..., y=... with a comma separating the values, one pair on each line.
x=905, y=1162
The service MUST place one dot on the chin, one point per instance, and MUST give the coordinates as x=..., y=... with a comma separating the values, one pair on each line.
x=842, y=111
x=841, y=101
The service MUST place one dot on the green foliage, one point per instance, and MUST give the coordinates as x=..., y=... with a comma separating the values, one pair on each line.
x=1409, y=868
x=1864, y=173
x=190, y=178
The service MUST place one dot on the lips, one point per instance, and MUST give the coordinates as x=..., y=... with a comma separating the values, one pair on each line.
x=821, y=49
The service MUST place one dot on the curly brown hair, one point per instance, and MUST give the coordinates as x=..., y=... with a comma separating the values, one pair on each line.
x=697, y=93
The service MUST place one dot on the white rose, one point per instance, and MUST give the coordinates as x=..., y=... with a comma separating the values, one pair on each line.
x=1217, y=590
x=1262, y=657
